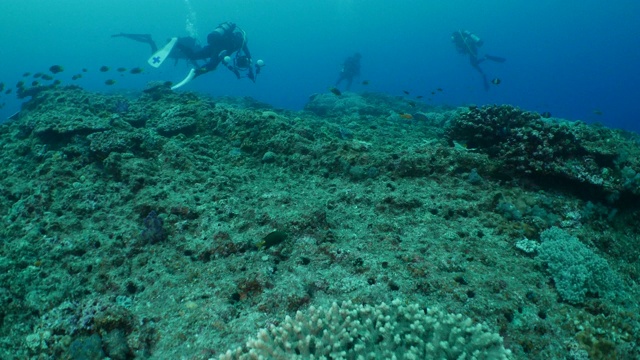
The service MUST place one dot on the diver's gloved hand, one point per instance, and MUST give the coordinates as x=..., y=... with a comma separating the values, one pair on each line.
x=251, y=76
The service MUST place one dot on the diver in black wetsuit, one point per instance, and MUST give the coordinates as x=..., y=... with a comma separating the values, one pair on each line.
x=468, y=43
x=178, y=51
x=350, y=69
x=222, y=43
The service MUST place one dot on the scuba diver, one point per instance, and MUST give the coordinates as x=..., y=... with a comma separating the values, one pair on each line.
x=468, y=43
x=222, y=43
x=350, y=69
x=186, y=42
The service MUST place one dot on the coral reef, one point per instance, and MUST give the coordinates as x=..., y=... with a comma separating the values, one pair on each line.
x=385, y=331
x=158, y=232
x=594, y=161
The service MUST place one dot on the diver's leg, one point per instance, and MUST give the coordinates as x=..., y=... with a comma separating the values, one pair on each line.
x=485, y=82
x=189, y=53
x=143, y=38
x=136, y=37
x=476, y=64
x=193, y=63
x=181, y=51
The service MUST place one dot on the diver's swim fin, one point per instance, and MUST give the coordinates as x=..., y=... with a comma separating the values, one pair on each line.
x=495, y=58
x=186, y=80
x=161, y=55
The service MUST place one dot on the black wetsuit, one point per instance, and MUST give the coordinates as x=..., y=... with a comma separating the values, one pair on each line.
x=467, y=43
x=184, y=46
x=225, y=40
x=350, y=69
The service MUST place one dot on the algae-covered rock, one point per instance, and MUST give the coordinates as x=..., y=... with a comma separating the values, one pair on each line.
x=87, y=348
x=375, y=201
x=115, y=344
x=345, y=104
x=56, y=114
x=176, y=120
x=580, y=156
x=105, y=142
x=55, y=125
x=366, y=104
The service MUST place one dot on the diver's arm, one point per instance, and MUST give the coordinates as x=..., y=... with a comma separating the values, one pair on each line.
x=228, y=64
x=251, y=74
x=245, y=50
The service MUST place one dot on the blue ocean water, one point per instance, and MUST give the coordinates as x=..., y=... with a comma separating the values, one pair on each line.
x=577, y=60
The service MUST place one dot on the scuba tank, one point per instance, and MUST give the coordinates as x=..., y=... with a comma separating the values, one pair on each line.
x=474, y=38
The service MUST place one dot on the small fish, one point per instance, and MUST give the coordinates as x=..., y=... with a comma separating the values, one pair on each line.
x=597, y=112
x=57, y=82
x=110, y=82
x=406, y=116
x=335, y=91
x=76, y=76
x=411, y=103
x=47, y=77
x=8, y=92
x=27, y=74
x=439, y=89
x=365, y=82
x=121, y=69
x=419, y=97
x=405, y=92
x=37, y=75
x=496, y=81
x=35, y=83
x=1, y=86
x=56, y=69
x=84, y=70
x=272, y=239
x=546, y=114
x=20, y=84
x=136, y=70
x=104, y=68
x=433, y=93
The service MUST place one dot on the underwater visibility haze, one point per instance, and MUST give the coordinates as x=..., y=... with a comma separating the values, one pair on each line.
x=577, y=61
x=243, y=179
